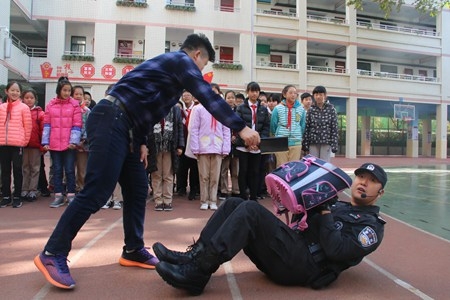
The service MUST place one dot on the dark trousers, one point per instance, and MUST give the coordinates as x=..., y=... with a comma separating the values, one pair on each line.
x=110, y=160
x=63, y=163
x=43, y=183
x=249, y=169
x=11, y=158
x=277, y=250
x=188, y=167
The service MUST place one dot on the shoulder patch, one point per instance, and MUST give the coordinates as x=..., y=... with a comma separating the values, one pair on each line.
x=367, y=237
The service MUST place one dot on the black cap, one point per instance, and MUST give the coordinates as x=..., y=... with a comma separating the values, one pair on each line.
x=375, y=170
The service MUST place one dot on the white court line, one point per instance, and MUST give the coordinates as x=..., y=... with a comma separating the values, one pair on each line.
x=398, y=281
x=232, y=283
x=46, y=288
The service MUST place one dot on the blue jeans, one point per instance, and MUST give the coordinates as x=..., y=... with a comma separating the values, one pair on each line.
x=110, y=161
x=63, y=161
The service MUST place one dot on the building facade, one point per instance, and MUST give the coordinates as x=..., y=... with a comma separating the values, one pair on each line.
x=372, y=66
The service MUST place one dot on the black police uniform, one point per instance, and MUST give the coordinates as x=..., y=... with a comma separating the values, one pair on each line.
x=332, y=243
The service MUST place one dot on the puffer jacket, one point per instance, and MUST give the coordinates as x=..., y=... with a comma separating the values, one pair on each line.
x=208, y=136
x=15, y=127
x=262, y=125
x=279, y=122
x=62, y=124
x=37, y=119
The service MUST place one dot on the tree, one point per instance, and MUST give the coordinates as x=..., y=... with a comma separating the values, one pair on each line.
x=424, y=6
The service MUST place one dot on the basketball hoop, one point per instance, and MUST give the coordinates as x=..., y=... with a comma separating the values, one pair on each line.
x=404, y=112
x=407, y=119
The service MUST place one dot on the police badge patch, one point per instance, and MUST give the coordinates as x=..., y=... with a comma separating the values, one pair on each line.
x=367, y=237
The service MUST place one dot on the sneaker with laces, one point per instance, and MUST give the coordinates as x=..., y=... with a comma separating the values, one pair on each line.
x=159, y=207
x=204, y=206
x=168, y=207
x=17, y=202
x=57, y=202
x=55, y=270
x=117, y=204
x=32, y=196
x=6, y=201
x=138, y=258
x=107, y=204
x=213, y=206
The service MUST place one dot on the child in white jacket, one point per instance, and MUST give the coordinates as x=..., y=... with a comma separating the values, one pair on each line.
x=209, y=142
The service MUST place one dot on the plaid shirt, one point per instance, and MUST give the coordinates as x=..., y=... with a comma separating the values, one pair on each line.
x=152, y=88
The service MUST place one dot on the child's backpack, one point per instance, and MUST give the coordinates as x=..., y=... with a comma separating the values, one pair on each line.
x=298, y=186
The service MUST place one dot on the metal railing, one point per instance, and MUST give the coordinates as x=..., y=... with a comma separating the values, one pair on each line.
x=326, y=19
x=78, y=53
x=275, y=65
x=410, y=30
x=179, y=3
x=138, y=56
x=397, y=76
x=29, y=51
x=327, y=69
x=276, y=13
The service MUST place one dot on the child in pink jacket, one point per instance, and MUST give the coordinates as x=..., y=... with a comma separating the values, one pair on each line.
x=15, y=131
x=209, y=142
x=61, y=136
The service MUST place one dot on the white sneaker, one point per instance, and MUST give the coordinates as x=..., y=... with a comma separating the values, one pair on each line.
x=107, y=205
x=117, y=204
x=204, y=206
x=213, y=206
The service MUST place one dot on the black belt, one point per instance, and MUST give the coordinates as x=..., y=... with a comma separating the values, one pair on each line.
x=116, y=102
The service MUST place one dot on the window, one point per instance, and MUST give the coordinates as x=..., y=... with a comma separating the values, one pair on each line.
x=190, y=2
x=227, y=5
x=408, y=71
x=423, y=73
x=364, y=66
x=389, y=69
x=78, y=44
x=125, y=48
x=339, y=66
x=226, y=54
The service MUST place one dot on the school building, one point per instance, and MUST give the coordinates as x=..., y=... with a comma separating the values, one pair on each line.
x=388, y=77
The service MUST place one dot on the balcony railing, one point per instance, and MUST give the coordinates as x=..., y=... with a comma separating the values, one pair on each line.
x=415, y=31
x=397, y=76
x=327, y=69
x=77, y=56
x=29, y=51
x=227, y=65
x=179, y=5
x=275, y=65
x=276, y=13
x=326, y=19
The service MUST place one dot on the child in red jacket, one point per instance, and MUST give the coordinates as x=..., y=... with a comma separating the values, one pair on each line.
x=33, y=151
x=15, y=130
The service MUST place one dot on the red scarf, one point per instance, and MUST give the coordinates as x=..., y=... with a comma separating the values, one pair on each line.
x=289, y=106
x=8, y=109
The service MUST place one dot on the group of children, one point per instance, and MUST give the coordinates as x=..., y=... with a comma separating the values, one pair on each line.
x=209, y=153
x=28, y=132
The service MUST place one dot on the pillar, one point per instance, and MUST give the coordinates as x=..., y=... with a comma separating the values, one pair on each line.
x=365, y=135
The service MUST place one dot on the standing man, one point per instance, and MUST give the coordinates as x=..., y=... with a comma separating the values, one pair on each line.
x=116, y=130
x=337, y=238
x=321, y=132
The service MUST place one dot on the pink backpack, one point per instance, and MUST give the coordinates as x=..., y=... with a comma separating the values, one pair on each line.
x=298, y=186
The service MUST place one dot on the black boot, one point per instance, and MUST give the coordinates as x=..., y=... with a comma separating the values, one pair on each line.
x=192, y=276
x=176, y=257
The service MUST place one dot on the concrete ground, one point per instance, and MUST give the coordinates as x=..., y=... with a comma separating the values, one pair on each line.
x=412, y=262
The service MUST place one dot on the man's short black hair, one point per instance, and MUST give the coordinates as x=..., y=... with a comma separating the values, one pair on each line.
x=199, y=40
x=305, y=95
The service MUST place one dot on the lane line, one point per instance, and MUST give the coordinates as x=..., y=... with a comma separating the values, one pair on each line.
x=46, y=288
x=232, y=283
x=398, y=281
